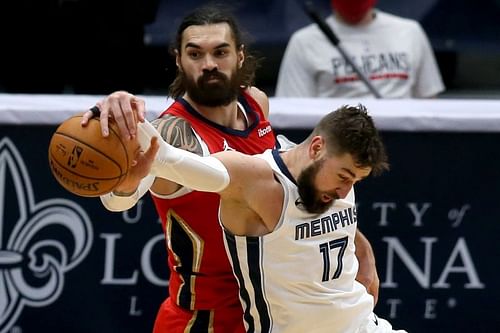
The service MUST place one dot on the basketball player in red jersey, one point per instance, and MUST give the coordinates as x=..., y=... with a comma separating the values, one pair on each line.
x=216, y=109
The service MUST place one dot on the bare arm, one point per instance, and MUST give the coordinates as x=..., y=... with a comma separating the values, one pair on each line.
x=178, y=133
x=139, y=177
x=367, y=273
x=251, y=203
x=240, y=179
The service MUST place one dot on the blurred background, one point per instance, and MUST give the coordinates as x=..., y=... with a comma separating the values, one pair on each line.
x=98, y=46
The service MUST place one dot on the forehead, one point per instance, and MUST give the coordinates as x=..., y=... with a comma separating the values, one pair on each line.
x=207, y=35
x=345, y=163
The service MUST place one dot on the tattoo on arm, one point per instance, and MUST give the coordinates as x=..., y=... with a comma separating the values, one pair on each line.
x=178, y=132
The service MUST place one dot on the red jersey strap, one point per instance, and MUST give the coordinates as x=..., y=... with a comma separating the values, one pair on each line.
x=251, y=140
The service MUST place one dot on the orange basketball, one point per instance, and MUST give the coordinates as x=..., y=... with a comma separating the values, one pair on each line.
x=86, y=163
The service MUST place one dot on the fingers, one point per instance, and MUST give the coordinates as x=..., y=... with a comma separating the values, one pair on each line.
x=87, y=115
x=140, y=108
x=153, y=149
x=114, y=106
x=125, y=109
x=126, y=118
x=104, y=118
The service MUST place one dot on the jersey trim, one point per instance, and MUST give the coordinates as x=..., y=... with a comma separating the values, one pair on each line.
x=260, y=321
x=281, y=164
x=251, y=115
x=202, y=321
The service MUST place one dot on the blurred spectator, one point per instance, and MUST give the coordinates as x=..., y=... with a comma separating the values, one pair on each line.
x=393, y=52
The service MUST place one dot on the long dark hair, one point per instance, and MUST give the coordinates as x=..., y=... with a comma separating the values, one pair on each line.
x=213, y=14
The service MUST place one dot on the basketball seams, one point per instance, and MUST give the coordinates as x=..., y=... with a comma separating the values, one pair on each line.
x=121, y=142
x=90, y=194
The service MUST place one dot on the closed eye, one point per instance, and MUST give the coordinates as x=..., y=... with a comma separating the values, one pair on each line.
x=343, y=178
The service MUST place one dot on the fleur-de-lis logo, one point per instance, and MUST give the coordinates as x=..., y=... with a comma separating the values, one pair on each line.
x=39, y=242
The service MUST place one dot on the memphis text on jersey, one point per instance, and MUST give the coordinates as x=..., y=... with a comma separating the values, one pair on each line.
x=326, y=224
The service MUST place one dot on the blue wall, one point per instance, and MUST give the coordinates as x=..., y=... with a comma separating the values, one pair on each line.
x=68, y=265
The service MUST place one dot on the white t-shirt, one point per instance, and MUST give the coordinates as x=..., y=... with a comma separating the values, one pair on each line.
x=393, y=52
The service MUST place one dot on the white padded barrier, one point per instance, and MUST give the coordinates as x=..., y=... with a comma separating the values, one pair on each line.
x=435, y=115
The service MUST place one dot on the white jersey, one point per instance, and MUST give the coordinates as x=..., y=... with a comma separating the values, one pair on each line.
x=301, y=277
x=392, y=52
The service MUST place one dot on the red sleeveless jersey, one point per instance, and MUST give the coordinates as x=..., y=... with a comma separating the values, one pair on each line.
x=201, y=277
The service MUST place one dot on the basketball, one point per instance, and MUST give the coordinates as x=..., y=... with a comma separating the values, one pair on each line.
x=86, y=163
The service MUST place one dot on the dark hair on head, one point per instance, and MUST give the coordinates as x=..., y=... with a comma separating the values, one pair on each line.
x=214, y=14
x=351, y=130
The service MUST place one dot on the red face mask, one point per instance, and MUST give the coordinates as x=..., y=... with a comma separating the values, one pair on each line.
x=352, y=11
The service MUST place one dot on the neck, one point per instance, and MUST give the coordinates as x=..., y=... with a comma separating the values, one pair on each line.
x=367, y=18
x=224, y=115
x=296, y=159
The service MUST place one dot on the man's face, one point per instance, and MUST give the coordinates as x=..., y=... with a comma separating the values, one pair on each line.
x=326, y=180
x=209, y=63
x=309, y=194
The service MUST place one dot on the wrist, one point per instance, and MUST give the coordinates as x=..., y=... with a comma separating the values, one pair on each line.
x=125, y=191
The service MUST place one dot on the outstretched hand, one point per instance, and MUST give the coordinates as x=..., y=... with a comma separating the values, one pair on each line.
x=126, y=110
x=140, y=168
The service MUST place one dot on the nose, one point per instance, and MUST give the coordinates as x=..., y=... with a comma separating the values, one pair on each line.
x=326, y=198
x=209, y=64
x=343, y=190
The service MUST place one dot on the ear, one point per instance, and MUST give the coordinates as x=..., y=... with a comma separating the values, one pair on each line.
x=241, y=55
x=316, y=147
x=178, y=59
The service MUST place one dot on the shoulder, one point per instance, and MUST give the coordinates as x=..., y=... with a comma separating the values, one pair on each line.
x=260, y=97
x=398, y=21
x=247, y=172
x=257, y=94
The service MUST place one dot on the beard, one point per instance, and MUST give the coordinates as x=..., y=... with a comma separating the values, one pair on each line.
x=310, y=198
x=220, y=92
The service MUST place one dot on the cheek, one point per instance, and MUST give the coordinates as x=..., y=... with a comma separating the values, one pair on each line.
x=188, y=67
x=228, y=65
x=329, y=189
x=324, y=181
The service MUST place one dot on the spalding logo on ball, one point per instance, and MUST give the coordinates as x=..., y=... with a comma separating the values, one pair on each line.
x=86, y=163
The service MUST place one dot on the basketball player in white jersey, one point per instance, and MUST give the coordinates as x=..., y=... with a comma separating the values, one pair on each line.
x=289, y=221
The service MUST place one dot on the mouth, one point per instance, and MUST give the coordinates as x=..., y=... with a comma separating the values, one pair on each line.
x=212, y=77
x=329, y=197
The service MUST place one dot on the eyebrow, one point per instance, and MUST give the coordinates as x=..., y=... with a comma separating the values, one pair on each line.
x=353, y=175
x=196, y=46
